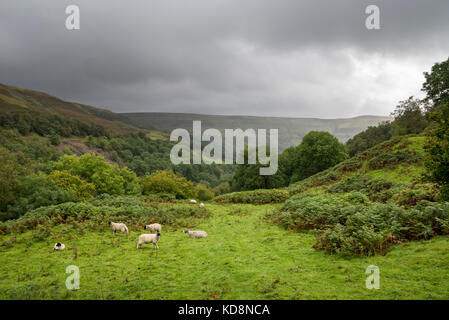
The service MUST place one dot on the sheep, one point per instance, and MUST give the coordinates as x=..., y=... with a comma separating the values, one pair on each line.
x=195, y=234
x=120, y=227
x=193, y=201
x=59, y=246
x=148, y=238
x=153, y=227
x=201, y=205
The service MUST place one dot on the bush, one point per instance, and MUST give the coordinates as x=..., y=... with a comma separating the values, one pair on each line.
x=97, y=212
x=38, y=191
x=412, y=195
x=67, y=182
x=105, y=177
x=203, y=193
x=390, y=159
x=261, y=196
x=377, y=189
x=168, y=182
x=349, y=224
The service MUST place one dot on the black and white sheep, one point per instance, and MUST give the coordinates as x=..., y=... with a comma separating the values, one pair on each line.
x=195, y=234
x=149, y=238
x=119, y=227
x=59, y=246
x=153, y=227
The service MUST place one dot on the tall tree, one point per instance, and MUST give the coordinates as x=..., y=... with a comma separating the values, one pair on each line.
x=437, y=149
x=318, y=151
x=437, y=84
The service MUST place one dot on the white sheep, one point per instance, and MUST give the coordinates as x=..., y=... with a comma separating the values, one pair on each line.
x=153, y=227
x=119, y=227
x=148, y=238
x=196, y=234
x=193, y=201
x=201, y=205
x=59, y=246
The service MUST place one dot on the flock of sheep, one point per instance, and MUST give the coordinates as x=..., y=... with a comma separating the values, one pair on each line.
x=147, y=237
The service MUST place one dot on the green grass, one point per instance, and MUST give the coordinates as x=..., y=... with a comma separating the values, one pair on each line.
x=244, y=257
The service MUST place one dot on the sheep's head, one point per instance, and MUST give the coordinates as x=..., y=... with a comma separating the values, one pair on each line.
x=110, y=223
x=144, y=227
x=185, y=231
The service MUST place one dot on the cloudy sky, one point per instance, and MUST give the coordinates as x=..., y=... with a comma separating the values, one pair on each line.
x=255, y=57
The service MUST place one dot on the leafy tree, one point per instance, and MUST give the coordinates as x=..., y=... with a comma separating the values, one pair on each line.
x=167, y=182
x=247, y=176
x=409, y=118
x=203, y=193
x=105, y=177
x=63, y=179
x=369, y=138
x=437, y=149
x=37, y=191
x=318, y=151
x=437, y=84
x=12, y=166
x=287, y=162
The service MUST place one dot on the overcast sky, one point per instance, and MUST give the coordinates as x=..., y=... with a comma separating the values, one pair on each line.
x=255, y=57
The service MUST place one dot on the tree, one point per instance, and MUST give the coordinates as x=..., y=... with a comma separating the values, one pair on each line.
x=203, y=193
x=247, y=176
x=318, y=151
x=437, y=84
x=369, y=138
x=63, y=179
x=437, y=150
x=167, y=182
x=12, y=165
x=105, y=177
x=409, y=117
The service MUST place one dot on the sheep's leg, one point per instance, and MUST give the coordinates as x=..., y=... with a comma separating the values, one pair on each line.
x=155, y=245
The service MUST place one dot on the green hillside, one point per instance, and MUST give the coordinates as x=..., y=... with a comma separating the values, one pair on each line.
x=291, y=130
x=19, y=100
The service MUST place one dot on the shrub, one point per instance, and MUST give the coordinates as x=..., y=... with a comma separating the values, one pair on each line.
x=37, y=191
x=390, y=159
x=97, y=212
x=377, y=189
x=412, y=195
x=168, y=182
x=203, y=193
x=105, y=177
x=261, y=196
x=67, y=182
x=349, y=224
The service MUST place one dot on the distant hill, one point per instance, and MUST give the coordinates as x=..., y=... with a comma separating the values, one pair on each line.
x=15, y=99
x=291, y=130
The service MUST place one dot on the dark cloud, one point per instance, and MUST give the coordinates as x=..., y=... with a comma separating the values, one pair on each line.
x=258, y=57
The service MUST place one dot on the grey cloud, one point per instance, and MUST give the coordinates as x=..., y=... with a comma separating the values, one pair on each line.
x=256, y=57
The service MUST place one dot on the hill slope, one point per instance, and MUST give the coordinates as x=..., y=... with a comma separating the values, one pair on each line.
x=291, y=130
x=15, y=99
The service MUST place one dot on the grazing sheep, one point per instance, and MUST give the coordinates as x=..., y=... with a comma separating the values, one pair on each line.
x=148, y=238
x=59, y=246
x=153, y=227
x=201, y=205
x=196, y=234
x=193, y=201
x=119, y=227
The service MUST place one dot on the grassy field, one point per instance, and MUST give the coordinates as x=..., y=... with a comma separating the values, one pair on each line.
x=244, y=257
